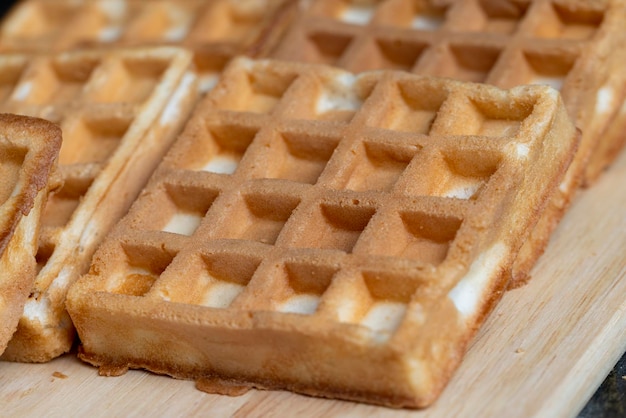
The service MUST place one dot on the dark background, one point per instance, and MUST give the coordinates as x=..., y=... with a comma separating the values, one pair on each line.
x=5, y=6
x=610, y=399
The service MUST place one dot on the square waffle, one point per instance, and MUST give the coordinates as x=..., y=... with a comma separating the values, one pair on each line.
x=575, y=46
x=333, y=234
x=215, y=30
x=119, y=111
x=29, y=149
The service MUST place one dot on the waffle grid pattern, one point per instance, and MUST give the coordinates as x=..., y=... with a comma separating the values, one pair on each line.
x=300, y=203
x=569, y=45
x=322, y=214
x=336, y=187
x=102, y=125
x=544, y=38
x=215, y=30
x=74, y=90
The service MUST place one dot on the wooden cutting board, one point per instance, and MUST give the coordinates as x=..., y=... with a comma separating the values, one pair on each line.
x=542, y=353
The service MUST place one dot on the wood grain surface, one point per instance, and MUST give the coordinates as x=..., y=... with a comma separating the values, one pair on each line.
x=543, y=351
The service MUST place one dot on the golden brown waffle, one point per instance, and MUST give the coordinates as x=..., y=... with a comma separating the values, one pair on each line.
x=575, y=46
x=215, y=30
x=29, y=149
x=119, y=111
x=337, y=235
x=614, y=136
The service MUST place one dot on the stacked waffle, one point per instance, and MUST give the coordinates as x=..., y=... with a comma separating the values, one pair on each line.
x=341, y=233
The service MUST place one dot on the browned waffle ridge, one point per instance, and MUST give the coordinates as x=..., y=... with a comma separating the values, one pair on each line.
x=29, y=148
x=332, y=234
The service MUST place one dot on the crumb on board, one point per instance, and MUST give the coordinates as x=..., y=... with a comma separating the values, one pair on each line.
x=520, y=351
x=59, y=375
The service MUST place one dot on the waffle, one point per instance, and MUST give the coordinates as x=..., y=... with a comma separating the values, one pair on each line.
x=29, y=148
x=614, y=135
x=331, y=234
x=119, y=111
x=574, y=46
x=215, y=30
